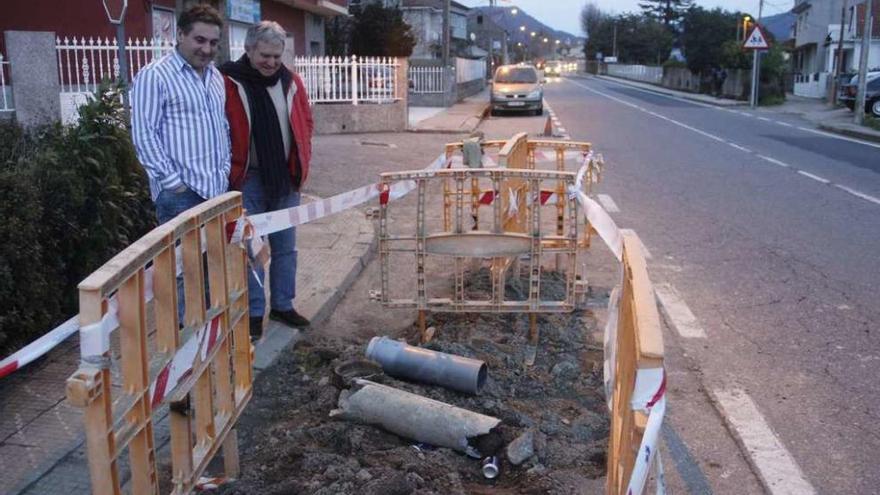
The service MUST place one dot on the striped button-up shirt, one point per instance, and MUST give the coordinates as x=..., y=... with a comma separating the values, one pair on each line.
x=179, y=127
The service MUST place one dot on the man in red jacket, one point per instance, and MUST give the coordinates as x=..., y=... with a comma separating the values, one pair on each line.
x=270, y=125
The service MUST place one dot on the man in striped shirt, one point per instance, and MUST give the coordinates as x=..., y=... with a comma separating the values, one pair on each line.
x=178, y=119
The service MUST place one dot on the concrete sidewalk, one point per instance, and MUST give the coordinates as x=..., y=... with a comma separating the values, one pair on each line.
x=41, y=435
x=838, y=120
x=461, y=118
x=832, y=119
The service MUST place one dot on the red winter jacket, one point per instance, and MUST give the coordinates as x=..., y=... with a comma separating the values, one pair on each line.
x=301, y=124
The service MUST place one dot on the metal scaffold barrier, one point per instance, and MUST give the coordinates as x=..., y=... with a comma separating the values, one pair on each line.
x=493, y=214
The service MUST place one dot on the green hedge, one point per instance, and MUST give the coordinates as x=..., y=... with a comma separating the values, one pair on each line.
x=72, y=198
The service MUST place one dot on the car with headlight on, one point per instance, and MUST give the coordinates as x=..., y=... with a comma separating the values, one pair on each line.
x=517, y=88
x=554, y=68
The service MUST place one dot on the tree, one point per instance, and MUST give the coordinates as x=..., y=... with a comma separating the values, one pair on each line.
x=378, y=31
x=669, y=12
x=705, y=33
x=337, y=35
x=640, y=39
x=599, y=28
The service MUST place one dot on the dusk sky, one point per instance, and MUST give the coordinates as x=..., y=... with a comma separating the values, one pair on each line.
x=565, y=14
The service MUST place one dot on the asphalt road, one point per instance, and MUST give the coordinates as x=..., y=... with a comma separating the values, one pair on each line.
x=768, y=231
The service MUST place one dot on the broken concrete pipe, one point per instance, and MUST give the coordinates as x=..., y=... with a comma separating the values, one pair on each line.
x=490, y=467
x=347, y=371
x=423, y=365
x=413, y=416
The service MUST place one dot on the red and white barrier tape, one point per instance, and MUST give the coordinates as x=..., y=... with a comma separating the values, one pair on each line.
x=95, y=338
x=598, y=217
x=649, y=396
x=610, y=344
x=181, y=365
x=37, y=348
x=488, y=197
x=275, y=221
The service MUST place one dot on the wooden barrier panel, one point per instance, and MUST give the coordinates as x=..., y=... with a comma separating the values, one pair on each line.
x=201, y=369
x=639, y=346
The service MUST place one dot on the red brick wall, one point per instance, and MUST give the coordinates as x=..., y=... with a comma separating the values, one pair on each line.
x=76, y=17
x=292, y=20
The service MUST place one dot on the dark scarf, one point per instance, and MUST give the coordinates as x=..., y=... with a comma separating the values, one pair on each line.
x=266, y=132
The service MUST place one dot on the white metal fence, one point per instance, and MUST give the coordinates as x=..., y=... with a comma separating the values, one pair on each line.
x=467, y=69
x=645, y=73
x=350, y=79
x=426, y=79
x=5, y=99
x=84, y=63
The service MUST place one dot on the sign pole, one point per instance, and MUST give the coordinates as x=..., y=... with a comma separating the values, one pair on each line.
x=753, y=97
x=756, y=66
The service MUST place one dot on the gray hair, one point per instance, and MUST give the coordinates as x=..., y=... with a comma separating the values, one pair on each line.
x=266, y=31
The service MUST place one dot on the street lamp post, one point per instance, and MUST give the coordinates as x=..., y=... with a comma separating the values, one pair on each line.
x=120, y=46
x=445, y=33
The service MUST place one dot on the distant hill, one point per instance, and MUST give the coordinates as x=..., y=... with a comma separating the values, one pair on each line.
x=780, y=25
x=512, y=23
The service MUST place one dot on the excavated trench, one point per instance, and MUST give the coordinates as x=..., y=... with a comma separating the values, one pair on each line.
x=290, y=445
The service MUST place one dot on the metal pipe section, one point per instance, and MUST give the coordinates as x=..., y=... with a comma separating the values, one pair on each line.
x=414, y=363
x=490, y=467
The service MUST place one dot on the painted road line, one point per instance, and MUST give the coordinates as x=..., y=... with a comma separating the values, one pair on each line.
x=774, y=161
x=717, y=138
x=671, y=97
x=683, y=320
x=740, y=112
x=814, y=177
x=681, y=124
x=786, y=124
x=775, y=466
x=608, y=203
x=866, y=197
x=838, y=136
x=765, y=119
x=741, y=148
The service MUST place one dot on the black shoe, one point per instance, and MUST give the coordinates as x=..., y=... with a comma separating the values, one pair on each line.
x=256, y=327
x=290, y=318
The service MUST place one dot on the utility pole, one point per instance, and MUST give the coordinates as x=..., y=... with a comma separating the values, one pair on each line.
x=445, y=33
x=756, y=67
x=839, y=69
x=614, y=43
x=863, y=62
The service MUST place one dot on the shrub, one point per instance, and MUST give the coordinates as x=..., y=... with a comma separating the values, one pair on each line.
x=73, y=198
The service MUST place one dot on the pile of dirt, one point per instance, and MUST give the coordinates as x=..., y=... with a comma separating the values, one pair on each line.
x=290, y=445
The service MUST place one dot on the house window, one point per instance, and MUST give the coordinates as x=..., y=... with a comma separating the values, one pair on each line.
x=237, y=34
x=164, y=27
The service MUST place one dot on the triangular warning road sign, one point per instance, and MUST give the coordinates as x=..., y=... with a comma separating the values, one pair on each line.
x=756, y=40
